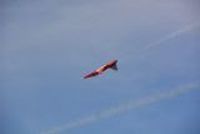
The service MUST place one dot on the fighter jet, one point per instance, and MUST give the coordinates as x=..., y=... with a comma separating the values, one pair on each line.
x=109, y=65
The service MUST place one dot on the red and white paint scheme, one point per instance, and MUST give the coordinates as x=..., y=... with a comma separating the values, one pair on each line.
x=109, y=65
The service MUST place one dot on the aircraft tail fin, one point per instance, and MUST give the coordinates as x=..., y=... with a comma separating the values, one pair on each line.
x=114, y=67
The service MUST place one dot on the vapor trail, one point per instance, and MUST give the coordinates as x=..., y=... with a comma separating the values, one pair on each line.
x=131, y=105
x=141, y=53
x=173, y=35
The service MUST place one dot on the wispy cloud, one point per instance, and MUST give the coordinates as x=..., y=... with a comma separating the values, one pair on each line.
x=131, y=105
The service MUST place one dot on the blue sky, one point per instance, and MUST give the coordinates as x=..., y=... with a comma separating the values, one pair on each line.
x=47, y=46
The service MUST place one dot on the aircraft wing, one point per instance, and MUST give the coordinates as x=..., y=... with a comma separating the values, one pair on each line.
x=92, y=74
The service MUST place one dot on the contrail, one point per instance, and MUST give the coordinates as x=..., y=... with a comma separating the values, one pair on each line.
x=131, y=105
x=173, y=35
x=141, y=53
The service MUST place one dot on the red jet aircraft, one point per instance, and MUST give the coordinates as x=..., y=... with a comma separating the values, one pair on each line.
x=109, y=65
